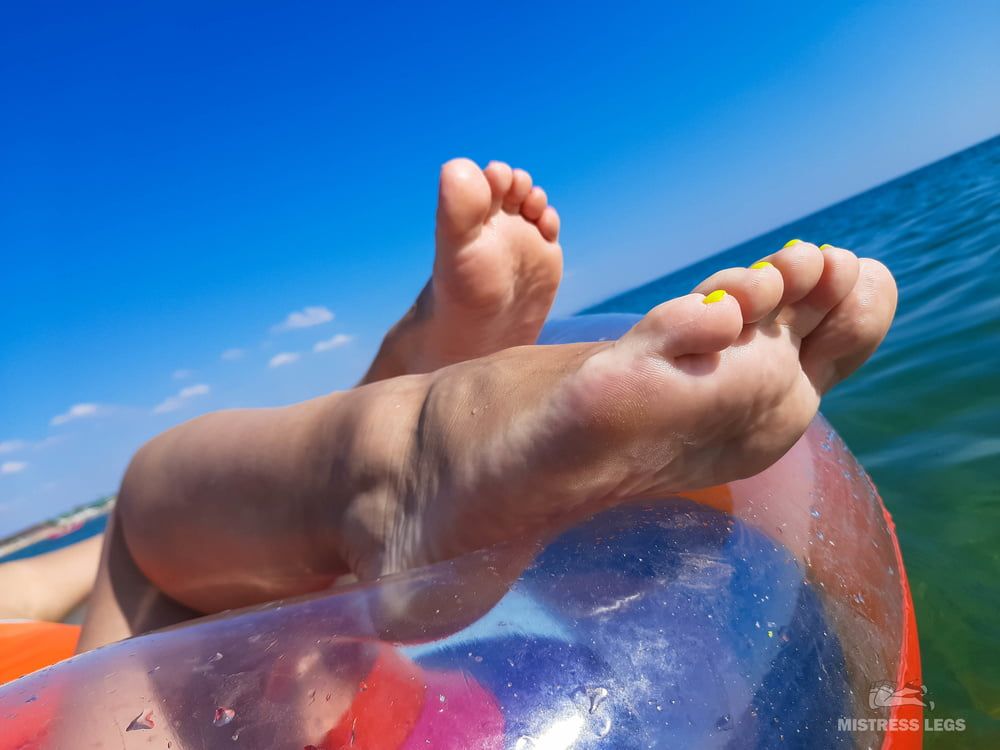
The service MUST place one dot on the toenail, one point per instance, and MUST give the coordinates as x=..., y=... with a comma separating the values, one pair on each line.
x=790, y=243
x=760, y=264
x=714, y=296
x=825, y=247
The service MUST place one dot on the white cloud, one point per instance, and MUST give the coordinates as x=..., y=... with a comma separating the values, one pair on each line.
x=77, y=411
x=285, y=358
x=9, y=446
x=14, y=446
x=12, y=467
x=305, y=318
x=336, y=342
x=173, y=403
x=49, y=441
x=233, y=354
x=183, y=374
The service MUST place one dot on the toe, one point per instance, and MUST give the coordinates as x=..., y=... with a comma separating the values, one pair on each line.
x=693, y=324
x=534, y=204
x=853, y=329
x=757, y=289
x=519, y=190
x=464, y=199
x=500, y=177
x=800, y=264
x=548, y=224
x=838, y=277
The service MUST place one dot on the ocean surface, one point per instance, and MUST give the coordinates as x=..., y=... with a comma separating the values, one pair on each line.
x=923, y=415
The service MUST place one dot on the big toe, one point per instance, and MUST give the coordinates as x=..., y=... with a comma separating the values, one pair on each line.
x=850, y=333
x=464, y=201
x=689, y=325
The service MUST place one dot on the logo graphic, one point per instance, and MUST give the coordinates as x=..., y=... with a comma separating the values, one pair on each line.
x=885, y=695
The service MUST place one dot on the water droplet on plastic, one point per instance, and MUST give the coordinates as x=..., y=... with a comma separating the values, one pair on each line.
x=597, y=696
x=814, y=513
x=217, y=657
x=143, y=721
x=724, y=724
x=223, y=716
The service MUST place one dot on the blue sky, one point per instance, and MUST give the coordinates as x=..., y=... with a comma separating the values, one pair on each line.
x=178, y=179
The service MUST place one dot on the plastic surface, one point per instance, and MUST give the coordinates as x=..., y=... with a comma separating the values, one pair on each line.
x=753, y=615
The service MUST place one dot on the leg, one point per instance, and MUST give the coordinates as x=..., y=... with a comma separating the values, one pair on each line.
x=51, y=585
x=123, y=602
x=496, y=271
x=240, y=507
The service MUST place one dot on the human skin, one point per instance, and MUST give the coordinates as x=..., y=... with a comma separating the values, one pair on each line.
x=51, y=585
x=240, y=507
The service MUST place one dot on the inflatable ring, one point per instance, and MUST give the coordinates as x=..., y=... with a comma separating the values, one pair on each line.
x=770, y=612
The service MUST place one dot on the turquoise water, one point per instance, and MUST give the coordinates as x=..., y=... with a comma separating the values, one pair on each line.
x=923, y=415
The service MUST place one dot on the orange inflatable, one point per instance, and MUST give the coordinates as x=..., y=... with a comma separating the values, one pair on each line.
x=26, y=647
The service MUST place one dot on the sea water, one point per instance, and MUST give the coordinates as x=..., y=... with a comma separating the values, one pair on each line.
x=923, y=415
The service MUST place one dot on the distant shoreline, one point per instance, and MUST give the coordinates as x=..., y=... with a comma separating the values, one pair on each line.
x=59, y=526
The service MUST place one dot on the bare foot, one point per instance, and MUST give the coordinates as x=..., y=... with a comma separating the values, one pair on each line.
x=497, y=267
x=240, y=507
x=705, y=389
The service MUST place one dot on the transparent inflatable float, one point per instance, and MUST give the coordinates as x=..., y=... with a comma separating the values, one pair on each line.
x=770, y=612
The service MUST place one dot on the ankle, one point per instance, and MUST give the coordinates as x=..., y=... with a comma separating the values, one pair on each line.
x=389, y=361
x=402, y=344
x=370, y=433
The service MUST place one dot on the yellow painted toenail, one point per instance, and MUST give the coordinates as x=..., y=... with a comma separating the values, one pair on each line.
x=714, y=296
x=790, y=243
x=825, y=247
x=760, y=264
